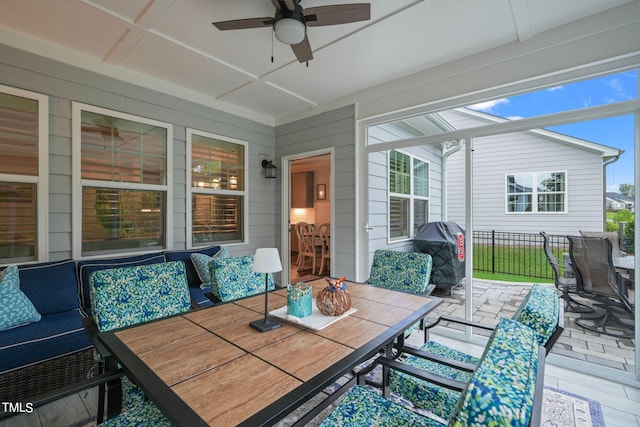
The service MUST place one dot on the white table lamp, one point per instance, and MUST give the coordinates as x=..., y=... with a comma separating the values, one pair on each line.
x=266, y=260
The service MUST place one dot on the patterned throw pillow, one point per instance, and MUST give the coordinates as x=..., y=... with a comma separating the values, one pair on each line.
x=204, y=263
x=15, y=307
x=234, y=278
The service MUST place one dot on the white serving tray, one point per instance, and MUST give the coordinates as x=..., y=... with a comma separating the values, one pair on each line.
x=316, y=321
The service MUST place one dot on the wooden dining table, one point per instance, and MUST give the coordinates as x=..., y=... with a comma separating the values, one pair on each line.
x=209, y=367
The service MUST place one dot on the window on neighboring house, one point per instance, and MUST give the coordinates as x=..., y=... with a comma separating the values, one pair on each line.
x=217, y=186
x=408, y=194
x=537, y=192
x=24, y=120
x=123, y=193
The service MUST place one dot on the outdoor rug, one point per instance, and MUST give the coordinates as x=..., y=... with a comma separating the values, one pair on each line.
x=564, y=409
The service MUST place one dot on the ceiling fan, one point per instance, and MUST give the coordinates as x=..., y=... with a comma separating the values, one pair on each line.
x=291, y=20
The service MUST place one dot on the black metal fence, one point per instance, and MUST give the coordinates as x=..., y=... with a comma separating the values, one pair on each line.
x=519, y=254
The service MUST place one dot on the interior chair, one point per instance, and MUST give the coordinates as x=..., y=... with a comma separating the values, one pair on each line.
x=120, y=298
x=324, y=233
x=540, y=311
x=299, y=236
x=310, y=248
x=505, y=390
x=566, y=285
x=598, y=280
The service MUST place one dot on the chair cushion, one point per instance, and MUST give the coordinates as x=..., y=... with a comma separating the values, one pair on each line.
x=404, y=271
x=235, y=279
x=125, y=296
x=198, y=296
x=539, y=311
x=85, y=268
x=502, y=388
x=203, y=263
x=425, y=395
x=362, y=407
x=55, y=335
x=15, y=308
x=185, y=256
x=52, y=287
x=145, y=414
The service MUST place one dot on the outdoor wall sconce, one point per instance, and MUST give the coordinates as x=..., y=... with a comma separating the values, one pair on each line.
x=321, y=192
x=269, y=168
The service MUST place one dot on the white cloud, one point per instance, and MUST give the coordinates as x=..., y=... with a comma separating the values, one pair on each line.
x=488, y=106
x=553, y=89
x=514, y=117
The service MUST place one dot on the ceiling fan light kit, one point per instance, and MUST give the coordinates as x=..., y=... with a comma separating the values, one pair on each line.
x=290, y=30
x=290, y=22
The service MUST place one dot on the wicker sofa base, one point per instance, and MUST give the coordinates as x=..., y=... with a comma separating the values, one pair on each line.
x=24, y=383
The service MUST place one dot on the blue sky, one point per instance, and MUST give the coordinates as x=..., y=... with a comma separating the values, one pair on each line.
x=614, y=132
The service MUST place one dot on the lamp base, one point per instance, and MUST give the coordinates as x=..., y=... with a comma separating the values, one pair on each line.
x=266, y=324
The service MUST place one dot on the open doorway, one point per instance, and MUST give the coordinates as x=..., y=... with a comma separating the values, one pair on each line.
x=310, y=190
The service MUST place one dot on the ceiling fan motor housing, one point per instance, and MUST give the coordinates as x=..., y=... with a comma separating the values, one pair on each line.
x=290, y=27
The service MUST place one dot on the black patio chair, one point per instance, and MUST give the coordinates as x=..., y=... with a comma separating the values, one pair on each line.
x=566, y=285
x=598, y=280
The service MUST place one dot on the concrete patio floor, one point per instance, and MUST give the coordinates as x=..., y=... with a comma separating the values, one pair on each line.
x=492, y=299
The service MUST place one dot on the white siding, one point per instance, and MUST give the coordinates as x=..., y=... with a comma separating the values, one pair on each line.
x=379, y=200
x=64, y=84
x=332, y=129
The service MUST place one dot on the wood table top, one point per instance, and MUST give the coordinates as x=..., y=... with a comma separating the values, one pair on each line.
x=209, y=367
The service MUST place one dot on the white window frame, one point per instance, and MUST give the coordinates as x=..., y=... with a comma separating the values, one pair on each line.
x=534, y=193
x=197, y=190
x=79, y=183
x=42, y=179
x=411, y=197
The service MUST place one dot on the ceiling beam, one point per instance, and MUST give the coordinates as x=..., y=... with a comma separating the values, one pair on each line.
x=522, y=19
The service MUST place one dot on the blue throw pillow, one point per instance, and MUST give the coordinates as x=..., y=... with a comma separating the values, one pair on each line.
x=15, y=307
x=204, y=265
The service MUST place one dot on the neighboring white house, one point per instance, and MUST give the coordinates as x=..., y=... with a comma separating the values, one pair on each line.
x=530, y=181
x=617, y=202
x=524, y=182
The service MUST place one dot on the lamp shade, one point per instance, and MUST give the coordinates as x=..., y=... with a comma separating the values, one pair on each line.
x=289, y=30
x=266, y=260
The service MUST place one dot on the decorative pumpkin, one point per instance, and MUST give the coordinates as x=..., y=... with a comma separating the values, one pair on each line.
x=334, y=300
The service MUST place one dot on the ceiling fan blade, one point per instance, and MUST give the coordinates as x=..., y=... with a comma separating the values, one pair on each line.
x=337, y=14
x=302, y=50
x=241, y=24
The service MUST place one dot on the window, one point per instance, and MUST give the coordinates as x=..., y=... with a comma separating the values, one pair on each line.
x=537, y=192
x=24, y=121
x=217, y=176
x=408, y=195
x=122, y=196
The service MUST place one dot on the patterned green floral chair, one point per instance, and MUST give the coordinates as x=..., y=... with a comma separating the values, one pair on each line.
x=402, y=271
x=540, y=311
x=122, y=297
x=505, y=390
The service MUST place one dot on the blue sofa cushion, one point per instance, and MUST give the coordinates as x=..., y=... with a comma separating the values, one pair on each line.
x=85, y=268
x=197, y=295
x=15, y=308
x=51, y=286
x=185, y=256
x=126, y=296
x=56, y=335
